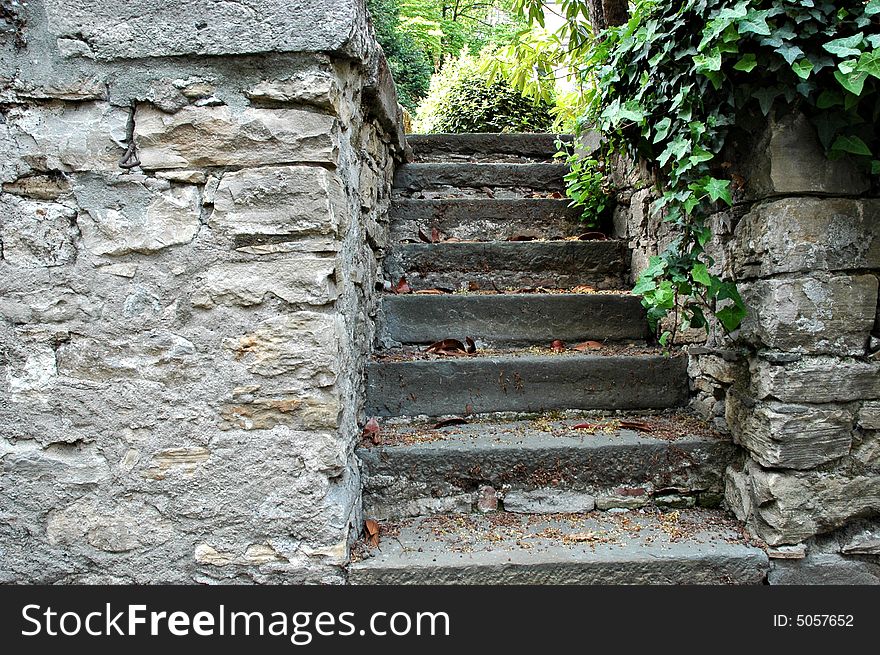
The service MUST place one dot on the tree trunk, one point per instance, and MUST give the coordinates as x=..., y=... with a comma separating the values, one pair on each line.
x=597, y=15
x=615, y=12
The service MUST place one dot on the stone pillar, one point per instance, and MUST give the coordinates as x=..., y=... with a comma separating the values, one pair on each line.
x=182, y=341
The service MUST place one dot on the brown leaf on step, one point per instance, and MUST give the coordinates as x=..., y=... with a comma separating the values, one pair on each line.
x=588, y=345
x=456, y=240
x=641, y=426
x=473, y=286
x=488, y=191
x=402, y=287
x=452, y=420
x=586, y=426
x=583, y=288
x=592, y=236
x=435, y=235
x=521, y=237
x=372, y=431
x=447, y=347
x=424, y=237
x=557, y=346
x=556, y=195
x=430, y=292
x=471, y=345
x=371, y=527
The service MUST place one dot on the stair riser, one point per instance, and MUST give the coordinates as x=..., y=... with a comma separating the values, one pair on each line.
x=512, y=320
x=438, y=146
x=500, y=266
x=402, y=482
x=485, y=220
x=742, y=566
x=418, y=177
x=524, y=384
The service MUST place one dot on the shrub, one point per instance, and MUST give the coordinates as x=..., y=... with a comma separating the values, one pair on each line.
x=462, y=99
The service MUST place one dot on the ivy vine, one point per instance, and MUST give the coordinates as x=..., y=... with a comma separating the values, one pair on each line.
x=672, y=83
x=668, y=87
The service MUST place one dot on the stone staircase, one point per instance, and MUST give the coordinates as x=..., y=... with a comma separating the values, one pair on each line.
x=517, y=493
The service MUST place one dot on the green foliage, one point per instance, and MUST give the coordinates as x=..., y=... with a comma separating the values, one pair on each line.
x=587, y=187
x=463, y=100
x=670, y=85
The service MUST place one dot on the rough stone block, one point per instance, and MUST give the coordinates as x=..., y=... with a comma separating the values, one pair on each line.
x=69, y=137
x=869, y=416
x=127, y=217
x=308, y=88
x=787, y=507
x=817, y=380
x=824, y=569
x=791, y=436
x=788, y=159
x=815, y=314
x=548, y=501
x=806, y=234
x=36, y=234
x=114, y=29
x=279, y=200
x=303, y=278
x=115, y=528
x=219, y=136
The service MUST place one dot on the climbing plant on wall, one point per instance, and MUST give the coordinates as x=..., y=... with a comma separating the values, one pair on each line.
x=670, y=84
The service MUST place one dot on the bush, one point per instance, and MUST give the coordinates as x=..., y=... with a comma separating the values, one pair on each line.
x=462, y=100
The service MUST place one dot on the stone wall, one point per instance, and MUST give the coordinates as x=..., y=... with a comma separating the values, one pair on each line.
x=193, y=200
x=798, y=386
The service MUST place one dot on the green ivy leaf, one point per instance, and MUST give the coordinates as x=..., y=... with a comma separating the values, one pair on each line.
x=790, y=53
x=755, y=22
x=719, y=190
x=875, y=167
x=828, y=99
x=700, y=275
x=846, y=47
x=731, y=317
x=853, y=82
x=869, y=63
x=872, y=8
x=747, y=62
x=803, y=68
x=662, y=129
x=709, y=62
x=851, y=144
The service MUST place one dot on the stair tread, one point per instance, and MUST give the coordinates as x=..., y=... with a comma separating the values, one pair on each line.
x=688, y=546
x=544, y=176
x=532, y=144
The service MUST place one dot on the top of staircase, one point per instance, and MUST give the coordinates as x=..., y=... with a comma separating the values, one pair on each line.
x=525, y=145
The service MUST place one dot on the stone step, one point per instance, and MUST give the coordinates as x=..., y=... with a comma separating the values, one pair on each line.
x=687, y=547
x=418, y=177
x=524, y=383
x=445, y=146
x=485, y=219
x=513, y=319
x=544, y=465
x=503, y=265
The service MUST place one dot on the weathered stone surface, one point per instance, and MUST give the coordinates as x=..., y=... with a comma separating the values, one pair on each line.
x=787, y=158
x=130, y=217
x=824, y=569
x=302, y=279
x=426, y=147
x=300, y=345
x=817, y=380
x=514, y=319
x=318, y=89
x=548, y=501
x=481, y=219
x=787, y=507
x=39, y=187
x=815, y=314
x=416, y=177
x=220, y=136
x=510, y=265
x=532, y=550
x=279, y=200
x=70, y=137
x=36, y=234
x=791, y=436
x=806, y=234
x=114, y=30
x=62, y=463
x=524, y=384
x=869, y=416
x=116, y=528
x=87, y=87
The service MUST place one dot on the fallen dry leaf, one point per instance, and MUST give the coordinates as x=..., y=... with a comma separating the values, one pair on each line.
x=471, y=345
x=447, y=347
x=402, y=287
x=424, y=237
x=372, y=431
x=592, y=236
x=637, y=425
x=371, y=527
x=557, y=346
x=435, y=235
x=587, y=345
x=521, y=237
x=586, y=426
x=452, y=420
